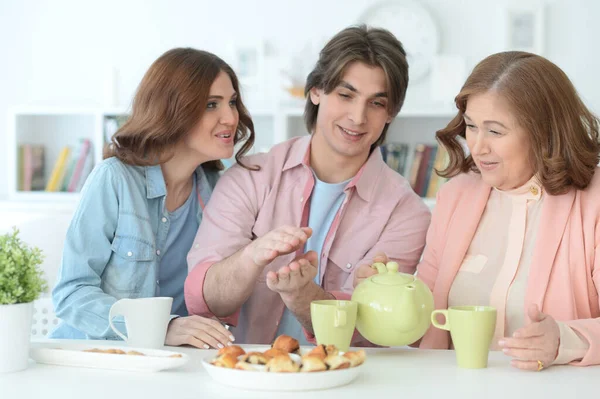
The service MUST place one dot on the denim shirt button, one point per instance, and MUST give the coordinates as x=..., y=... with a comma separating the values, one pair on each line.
x=164, y=220
x=158, y=251
x=129, y=253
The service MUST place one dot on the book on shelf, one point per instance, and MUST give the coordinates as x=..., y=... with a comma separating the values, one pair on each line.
x=421, y=173
x=59, y=170
x=30, y=168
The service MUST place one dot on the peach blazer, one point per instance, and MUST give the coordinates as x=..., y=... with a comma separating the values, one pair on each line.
x=564, y=277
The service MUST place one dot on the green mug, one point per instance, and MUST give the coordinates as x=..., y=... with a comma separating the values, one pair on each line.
x=472, y=329
x=333, y=322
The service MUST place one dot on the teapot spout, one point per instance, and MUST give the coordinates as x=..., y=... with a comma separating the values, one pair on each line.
x=410, y=317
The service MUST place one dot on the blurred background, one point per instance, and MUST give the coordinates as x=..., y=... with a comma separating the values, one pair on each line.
x=69, y=69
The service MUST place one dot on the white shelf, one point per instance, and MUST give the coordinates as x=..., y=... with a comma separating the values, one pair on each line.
x=55, y=127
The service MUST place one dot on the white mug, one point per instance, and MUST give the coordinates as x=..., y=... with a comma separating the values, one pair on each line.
x=146, y=320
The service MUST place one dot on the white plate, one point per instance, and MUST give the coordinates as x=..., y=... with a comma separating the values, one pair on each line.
x=266, y=381
x=73, y=355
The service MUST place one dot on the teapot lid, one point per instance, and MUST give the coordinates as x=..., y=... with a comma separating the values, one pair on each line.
x=389, y=275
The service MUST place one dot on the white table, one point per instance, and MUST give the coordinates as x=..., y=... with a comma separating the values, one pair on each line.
x=388, y=373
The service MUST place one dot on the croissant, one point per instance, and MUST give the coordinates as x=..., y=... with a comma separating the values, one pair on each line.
x=232, y=350
x=336, y=362
x=331, y=350
x=282, y=364
x=271, y=353
x=254, y=358
x=356, y=358
x=228, y=361
x=318, y=351
x=312, y=363
x=286, y=343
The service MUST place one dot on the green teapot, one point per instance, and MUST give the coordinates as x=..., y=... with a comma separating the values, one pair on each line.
x=394, y=309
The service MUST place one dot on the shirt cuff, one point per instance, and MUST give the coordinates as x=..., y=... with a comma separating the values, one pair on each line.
x=572, y=346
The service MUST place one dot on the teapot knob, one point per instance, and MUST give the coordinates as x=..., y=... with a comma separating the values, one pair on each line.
x=393, y=267
x=381, y=268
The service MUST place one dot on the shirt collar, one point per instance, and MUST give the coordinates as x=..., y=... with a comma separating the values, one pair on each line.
x=155, y=181
x=531, y=190
x=365, y=179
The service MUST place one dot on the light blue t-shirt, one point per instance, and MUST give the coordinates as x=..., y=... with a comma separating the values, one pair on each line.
x=173, y=269
x=325, y=201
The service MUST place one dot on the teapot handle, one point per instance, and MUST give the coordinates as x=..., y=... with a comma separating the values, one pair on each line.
x=381, y=268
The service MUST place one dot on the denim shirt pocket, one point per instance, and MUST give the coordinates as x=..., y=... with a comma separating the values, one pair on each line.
x=128, y=266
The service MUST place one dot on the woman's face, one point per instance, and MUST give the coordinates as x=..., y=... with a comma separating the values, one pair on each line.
x=500, y=147
x=212, y=137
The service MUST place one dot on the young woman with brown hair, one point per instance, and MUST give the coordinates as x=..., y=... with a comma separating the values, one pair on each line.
x=141, y=207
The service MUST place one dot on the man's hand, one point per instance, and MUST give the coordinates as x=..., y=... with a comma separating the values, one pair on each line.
x=365, y=271
x=281, y=241
x=290, y=280
x=198, y=331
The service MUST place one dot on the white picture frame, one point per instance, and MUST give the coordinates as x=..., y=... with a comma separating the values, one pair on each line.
x=525, y=28
x=249, y=63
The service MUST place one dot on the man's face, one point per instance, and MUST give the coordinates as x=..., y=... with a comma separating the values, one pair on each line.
x=352, y=117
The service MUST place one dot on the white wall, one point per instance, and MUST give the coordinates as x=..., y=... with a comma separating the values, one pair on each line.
x=57, y=52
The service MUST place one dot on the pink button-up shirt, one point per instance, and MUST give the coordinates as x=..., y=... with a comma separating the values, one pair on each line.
x=380, y=213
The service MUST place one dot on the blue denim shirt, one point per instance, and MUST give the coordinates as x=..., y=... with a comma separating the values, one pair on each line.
x=110, y=247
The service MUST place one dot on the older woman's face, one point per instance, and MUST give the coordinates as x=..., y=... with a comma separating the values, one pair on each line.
x=499, y=146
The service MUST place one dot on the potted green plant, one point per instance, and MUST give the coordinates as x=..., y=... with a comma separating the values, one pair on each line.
x=21, y=282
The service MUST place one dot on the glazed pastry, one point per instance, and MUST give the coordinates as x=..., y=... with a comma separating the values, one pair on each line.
x=282, y=364
x=336, y=362
x=318, y=351
x=356, y=358
x=287, y=344
x=244, y=366
x=254, y=358
x=232, y=350
x=312, y=363
x=228, y=361
x=271, y=353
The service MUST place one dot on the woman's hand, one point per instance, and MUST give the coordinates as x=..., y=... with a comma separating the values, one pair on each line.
x=365, y=271
x=539, y=341
x=198, y=331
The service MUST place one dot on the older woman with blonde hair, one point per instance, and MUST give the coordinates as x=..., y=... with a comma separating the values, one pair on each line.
x=518, y=225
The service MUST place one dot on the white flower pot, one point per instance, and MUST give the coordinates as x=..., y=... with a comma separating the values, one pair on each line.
x=15, y=336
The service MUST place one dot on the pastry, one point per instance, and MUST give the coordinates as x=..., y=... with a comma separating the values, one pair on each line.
x=318, y=351
x=331, y=350
x=244, y=366
x=286, y=343
x=356, y=358
x=135, y=353
x=282, y=364
x=336, y=362
x=113, y=351
x=232, y=350
x=228, y=361
x=254, y=358
x=312, y=363
x=270, y=353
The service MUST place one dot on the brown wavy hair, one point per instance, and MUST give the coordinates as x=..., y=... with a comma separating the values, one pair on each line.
x=169, y=102
x=372, y=46
x=564, y=134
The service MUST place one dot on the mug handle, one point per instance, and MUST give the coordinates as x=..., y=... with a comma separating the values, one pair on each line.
x=446, y=325
x=117, y=309
x=340, y=318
